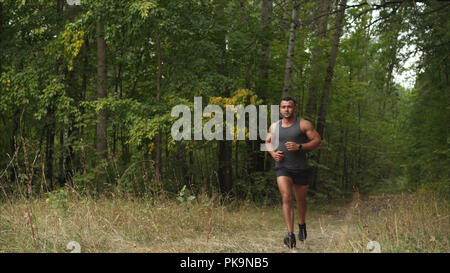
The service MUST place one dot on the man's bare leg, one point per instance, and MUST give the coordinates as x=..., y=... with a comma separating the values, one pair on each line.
x=300, y=195
x=285, y=185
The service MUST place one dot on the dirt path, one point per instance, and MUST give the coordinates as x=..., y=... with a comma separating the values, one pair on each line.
x=324, y=231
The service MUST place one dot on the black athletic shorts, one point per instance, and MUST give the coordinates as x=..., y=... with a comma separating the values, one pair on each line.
x=299, y=177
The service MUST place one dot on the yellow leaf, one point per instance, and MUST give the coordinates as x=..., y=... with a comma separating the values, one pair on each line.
x=151, y=147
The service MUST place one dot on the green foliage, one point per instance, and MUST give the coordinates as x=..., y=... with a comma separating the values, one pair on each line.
x=19, y=89
x=181, y=196
x=260, y=187
x=57, y=199
x=378, y=134
x=143, y=7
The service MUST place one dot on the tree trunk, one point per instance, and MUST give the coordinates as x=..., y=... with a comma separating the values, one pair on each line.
x=61, y=177
x=392, y=52
x=12, y=142
x=62, y=144
x=266, y=32
x=117, y=90
x=81, y=163
x=328, y=80
x=51, y=122
x=102, y=142
x=257, y=157
x=330, y=68
x=69, y=157
x=1, y=34
x=321, y=15
x=49, y=146
x=158, y=161
x=225, y=168
x=290, y=54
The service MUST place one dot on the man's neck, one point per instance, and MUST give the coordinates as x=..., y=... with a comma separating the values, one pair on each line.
x=289, y=120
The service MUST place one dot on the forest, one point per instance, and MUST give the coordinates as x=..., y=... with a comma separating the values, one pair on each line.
x=87, y=90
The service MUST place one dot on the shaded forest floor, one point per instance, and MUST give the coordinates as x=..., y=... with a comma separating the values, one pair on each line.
x=399, y=223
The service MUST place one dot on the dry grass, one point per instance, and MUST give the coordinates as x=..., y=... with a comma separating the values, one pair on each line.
x=127, y=225
x=413, y=223
x=399, y=223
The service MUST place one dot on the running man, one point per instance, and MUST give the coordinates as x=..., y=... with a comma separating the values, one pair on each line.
x=295, y=137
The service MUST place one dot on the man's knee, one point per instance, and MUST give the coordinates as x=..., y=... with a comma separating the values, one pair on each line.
x=301, y=201
x=287, y=198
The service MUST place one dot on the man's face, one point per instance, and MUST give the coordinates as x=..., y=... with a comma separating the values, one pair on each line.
x=287, y=108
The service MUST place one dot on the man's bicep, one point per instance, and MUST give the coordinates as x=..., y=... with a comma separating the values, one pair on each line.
x=310, y=132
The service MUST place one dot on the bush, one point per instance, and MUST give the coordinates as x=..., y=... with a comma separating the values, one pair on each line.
x=259, y=187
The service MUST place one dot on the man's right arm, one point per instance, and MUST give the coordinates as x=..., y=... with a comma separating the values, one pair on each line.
x=277, y=155
x=269, y=140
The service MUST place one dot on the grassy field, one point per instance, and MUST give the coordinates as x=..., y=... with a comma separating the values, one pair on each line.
x=399, y=223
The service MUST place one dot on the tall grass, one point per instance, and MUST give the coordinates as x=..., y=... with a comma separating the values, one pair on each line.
x=123, y=224
x=400, y=223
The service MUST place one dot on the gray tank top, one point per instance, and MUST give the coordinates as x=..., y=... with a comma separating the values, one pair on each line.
x=293, y=160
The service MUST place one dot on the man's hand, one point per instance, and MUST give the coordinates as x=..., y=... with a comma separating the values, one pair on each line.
x=292, y=146
x=278, y=156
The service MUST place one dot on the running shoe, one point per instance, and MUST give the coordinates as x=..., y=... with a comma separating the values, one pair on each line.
x=302, y=233
x=289, y=240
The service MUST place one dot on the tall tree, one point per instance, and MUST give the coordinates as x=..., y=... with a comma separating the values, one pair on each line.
x=1, y=36
x=101, y=128
x=339, y=24
x=225, y=152
x=158, y=161
x=266, y=32
x=291, y=46
x=321, y=23
x=258, y=158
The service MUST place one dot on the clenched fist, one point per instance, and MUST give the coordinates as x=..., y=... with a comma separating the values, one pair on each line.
x=278, y=156
x=292, y=146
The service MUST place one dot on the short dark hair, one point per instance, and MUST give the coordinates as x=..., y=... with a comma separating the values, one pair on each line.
x=288, y=99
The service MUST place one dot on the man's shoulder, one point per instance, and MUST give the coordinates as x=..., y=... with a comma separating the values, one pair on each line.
x=305, y=124
x=275, y=123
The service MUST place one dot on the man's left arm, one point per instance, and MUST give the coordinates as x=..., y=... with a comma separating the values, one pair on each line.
x=315, y=141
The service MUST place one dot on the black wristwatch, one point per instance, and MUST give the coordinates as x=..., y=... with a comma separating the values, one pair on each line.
x=300, y=147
